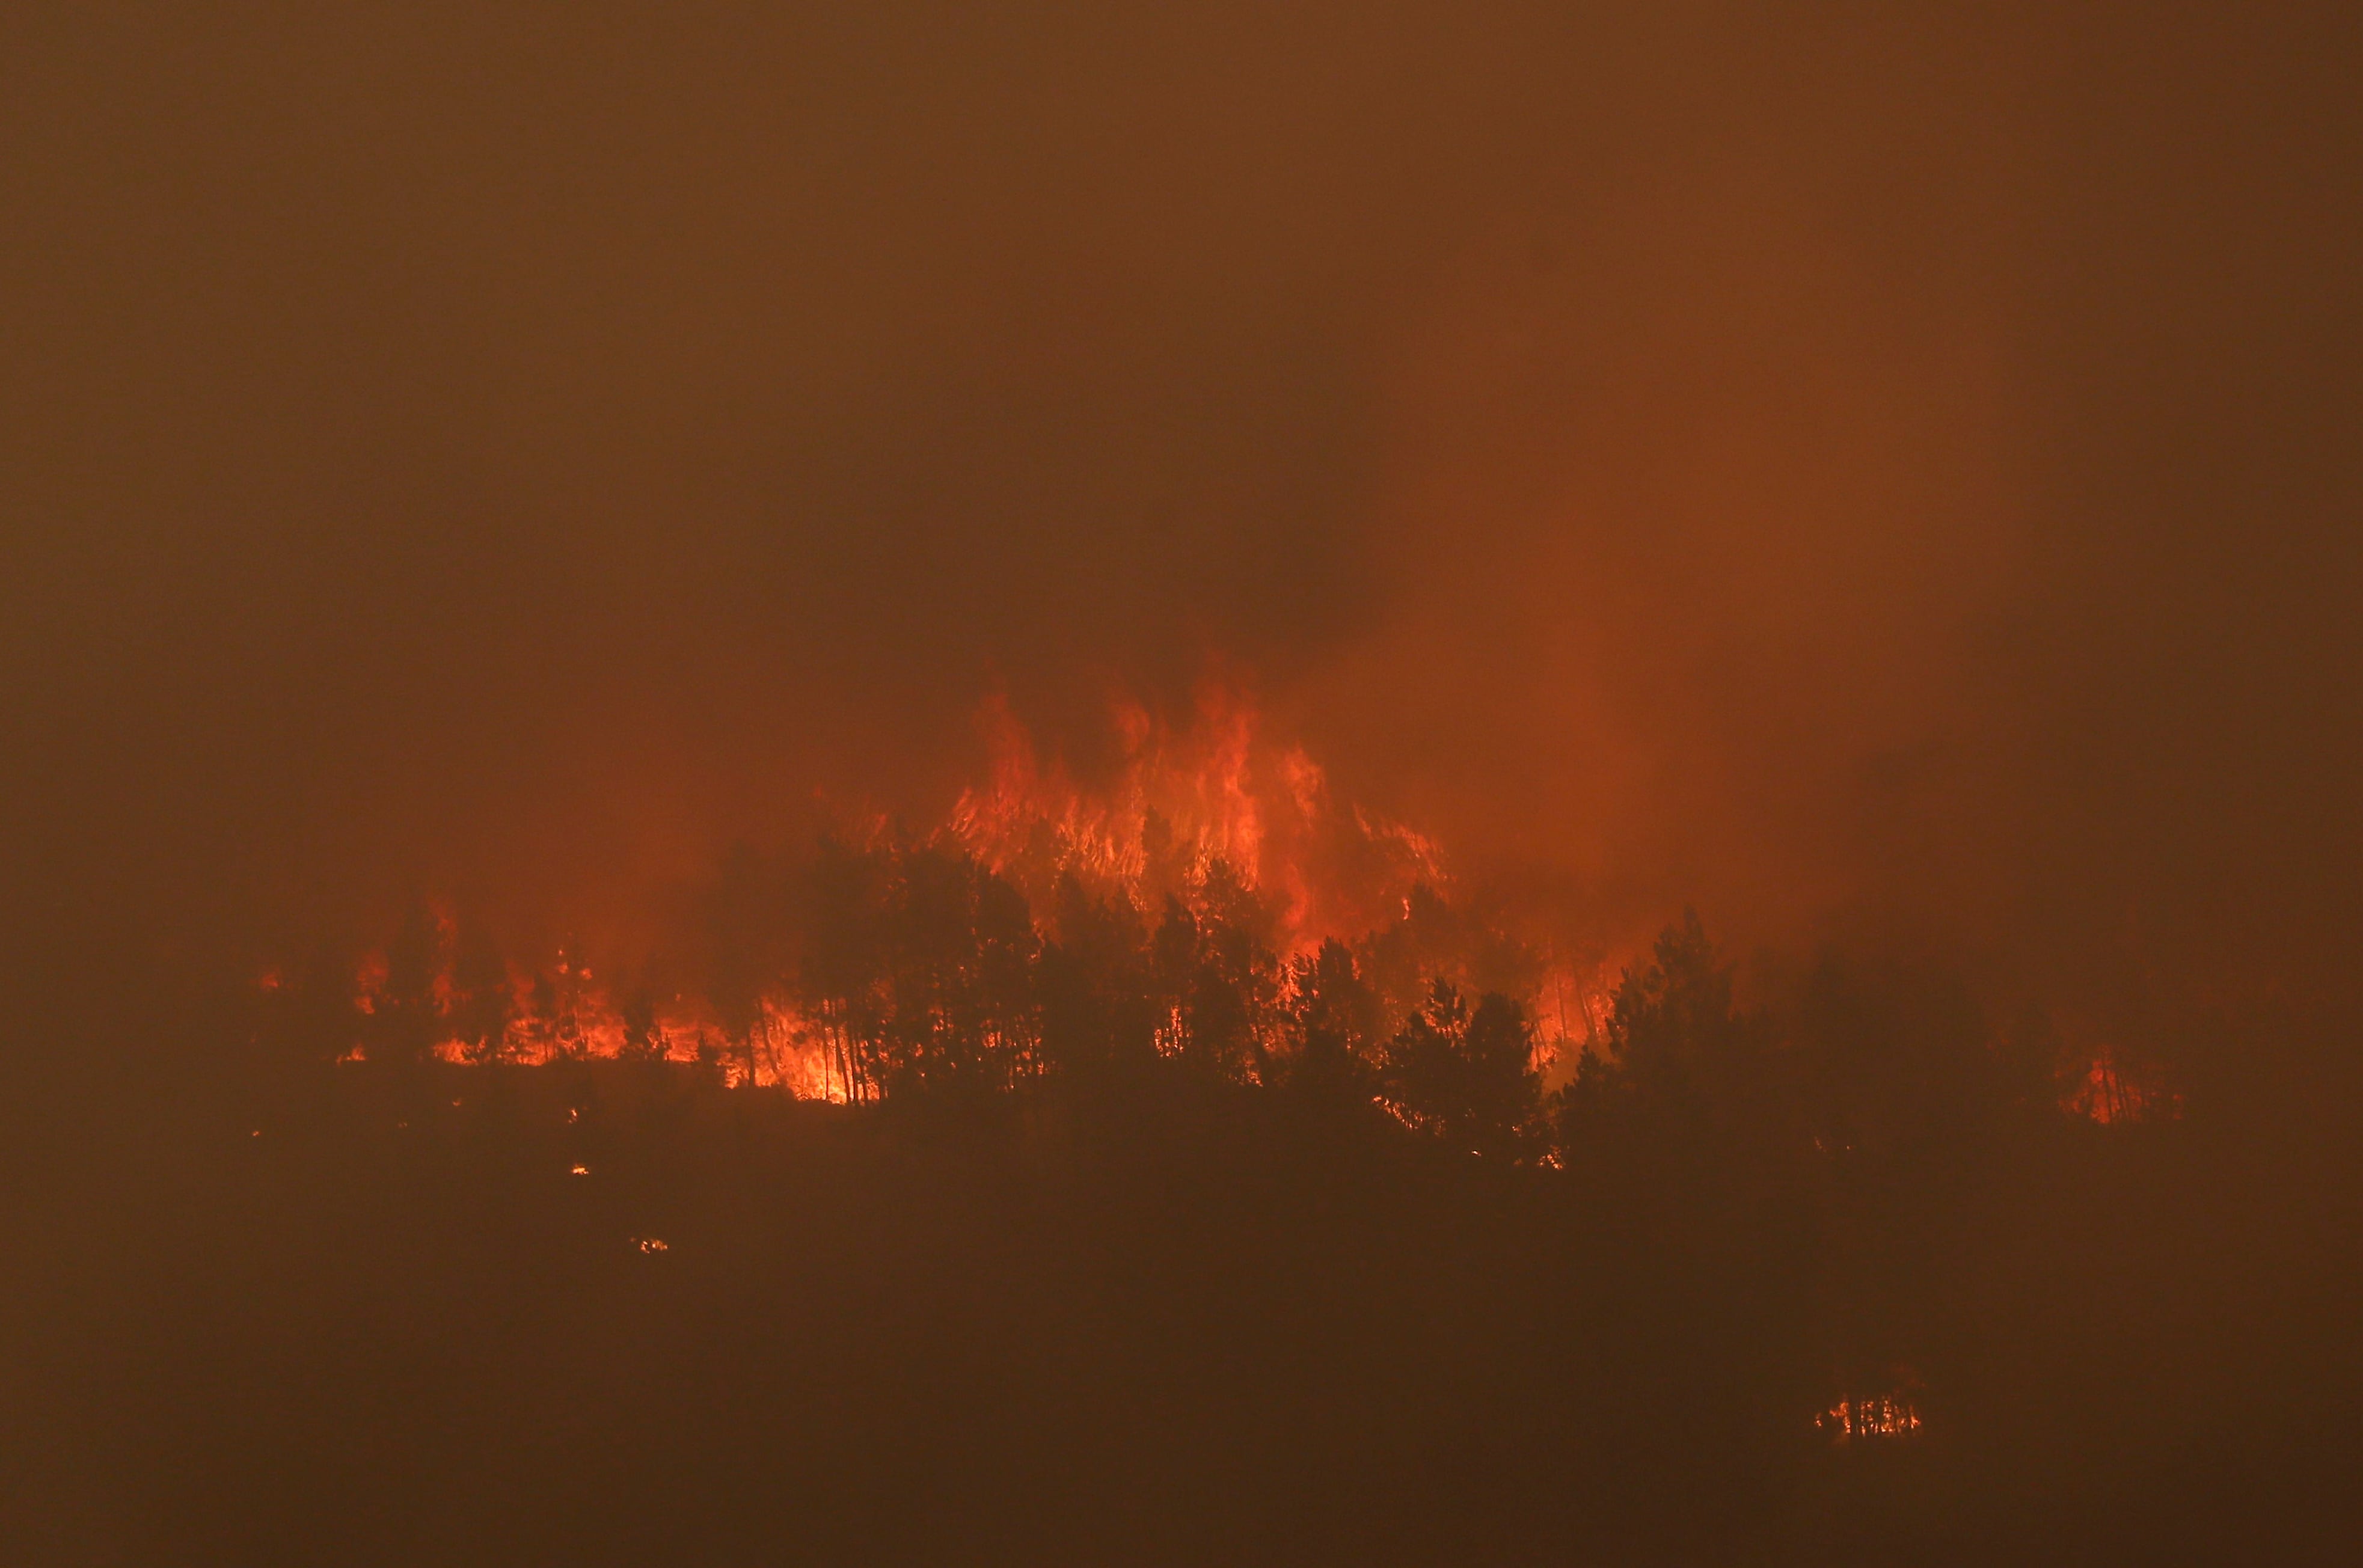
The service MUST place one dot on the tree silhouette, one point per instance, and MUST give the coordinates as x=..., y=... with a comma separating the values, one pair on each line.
x=740, y=921
x=404, y=1016
x=644, y=1038
x=1467, y=1077
x=1216, y=975
x=1680, y=1065
x=1007, y=952
x=480, y=1015
x=1433, y=939
x=1098, y=1007
x=563, y=996
x=1336, y=1025
x=1686, y=1087
x=842, y=978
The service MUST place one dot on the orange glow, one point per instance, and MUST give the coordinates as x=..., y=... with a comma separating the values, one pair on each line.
x=1184, y=806
x=1881, y=1416
x=370, y=978
x=1180, y=800
x=2114, y=1090
x=794, y=1052
x=1572, y=1007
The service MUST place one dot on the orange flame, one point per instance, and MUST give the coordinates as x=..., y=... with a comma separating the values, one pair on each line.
x=1182, y=799
x=1183, y=802
x=1881, y=1415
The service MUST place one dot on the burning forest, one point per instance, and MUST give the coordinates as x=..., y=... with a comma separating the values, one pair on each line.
x=1210, y=907
x=1435, y=781
x=1200, y=905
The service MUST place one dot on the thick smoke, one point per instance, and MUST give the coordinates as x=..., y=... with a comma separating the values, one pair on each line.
x=1869, y=476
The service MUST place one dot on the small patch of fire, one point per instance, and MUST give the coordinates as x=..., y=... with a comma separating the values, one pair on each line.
x=2120, y=1090
x=649, y=1244
x=1879, y=1417
x=579, y=1171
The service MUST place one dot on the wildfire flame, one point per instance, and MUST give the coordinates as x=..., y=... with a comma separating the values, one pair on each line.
x=1180, y=800
x=1881, y=1415
x=1182, y=812
x=2115, y=1090
x=1184, y=807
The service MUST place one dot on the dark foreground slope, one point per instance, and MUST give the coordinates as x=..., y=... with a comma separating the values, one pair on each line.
x=338, y=1317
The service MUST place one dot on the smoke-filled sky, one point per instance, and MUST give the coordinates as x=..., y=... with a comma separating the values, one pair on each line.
x=1858, y=469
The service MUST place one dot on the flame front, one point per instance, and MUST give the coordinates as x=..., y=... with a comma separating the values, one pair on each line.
x=1180, y=800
